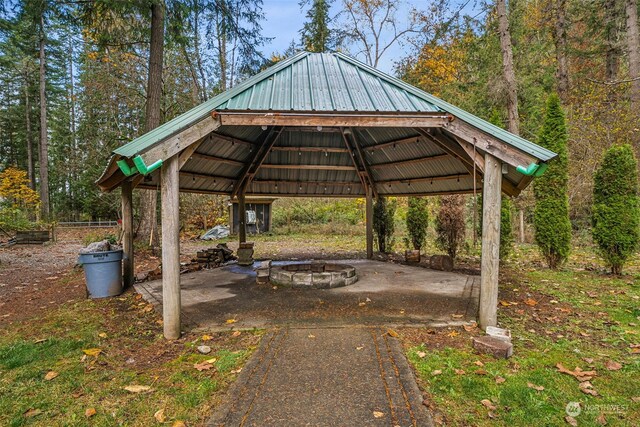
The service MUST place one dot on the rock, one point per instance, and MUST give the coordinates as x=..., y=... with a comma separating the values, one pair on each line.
x=204, y=349
x=496, y=347
x=141, y=277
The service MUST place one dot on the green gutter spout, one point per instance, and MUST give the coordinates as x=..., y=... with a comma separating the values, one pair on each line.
x=139, y=166
x=533, y=169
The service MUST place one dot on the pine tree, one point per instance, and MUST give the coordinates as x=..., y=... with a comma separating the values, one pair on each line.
x=551, y=216
x=417, y=221
x=316, y=35
x=616, y=212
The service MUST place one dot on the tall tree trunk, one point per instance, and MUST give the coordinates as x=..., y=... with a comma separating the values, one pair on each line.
x=29, y=136
x=73, y=167
x=612, y=59
x=633, y=46
x=222, y=46
x=508, y=71
x=148, y=231
x=560, y=38
x=44, y=149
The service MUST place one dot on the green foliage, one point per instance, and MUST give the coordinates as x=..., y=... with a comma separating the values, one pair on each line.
x=296, y=212
x=98, y=236
x=616, y=212
x=450, y=225
x=417, y=221
x=316, y=34
x=384, y=211
x=506, y=226
x=551, y=216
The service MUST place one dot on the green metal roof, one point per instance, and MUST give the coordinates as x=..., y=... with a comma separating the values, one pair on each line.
x=324, y=82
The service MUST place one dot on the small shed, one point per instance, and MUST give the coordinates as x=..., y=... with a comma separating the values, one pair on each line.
x=258, y=215
x=322, y=125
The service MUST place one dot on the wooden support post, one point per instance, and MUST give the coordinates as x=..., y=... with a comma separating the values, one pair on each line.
x=127, y=234
x=369, y=222
x=521, y=221
x=242, y=219
x=490, y=263
x=171, y=248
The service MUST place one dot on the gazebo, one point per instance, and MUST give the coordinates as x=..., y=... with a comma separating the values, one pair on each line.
x=322, y=125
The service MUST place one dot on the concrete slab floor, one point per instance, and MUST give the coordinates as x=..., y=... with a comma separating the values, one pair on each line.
x=385, y=294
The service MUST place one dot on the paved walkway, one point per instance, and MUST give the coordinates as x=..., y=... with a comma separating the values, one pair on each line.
x=351, y=376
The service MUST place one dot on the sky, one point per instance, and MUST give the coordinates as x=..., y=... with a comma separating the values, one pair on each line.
x=284, y=19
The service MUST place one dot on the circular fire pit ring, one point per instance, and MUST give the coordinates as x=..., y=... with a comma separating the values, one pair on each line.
x=313, y=275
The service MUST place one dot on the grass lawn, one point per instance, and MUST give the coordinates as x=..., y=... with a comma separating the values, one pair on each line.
x=577, y=317
x=94, y=349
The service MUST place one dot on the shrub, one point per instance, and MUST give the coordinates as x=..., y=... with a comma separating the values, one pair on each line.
x=616, y=213
x=551, y=215
x=417, y=221
x=383, y=223
x=450, y=225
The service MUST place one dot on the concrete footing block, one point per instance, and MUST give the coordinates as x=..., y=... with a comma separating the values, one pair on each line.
x=497, y=347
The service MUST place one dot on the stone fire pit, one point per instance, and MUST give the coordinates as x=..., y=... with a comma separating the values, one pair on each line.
x=313, y=275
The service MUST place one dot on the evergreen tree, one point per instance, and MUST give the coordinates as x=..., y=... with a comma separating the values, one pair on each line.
x=316, y=35
x=417, y=221
x=450, y=225
x=383, y=223
x=616, y=212
x=551, y=216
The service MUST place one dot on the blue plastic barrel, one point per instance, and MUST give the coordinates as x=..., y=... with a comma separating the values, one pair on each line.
x=103, y=273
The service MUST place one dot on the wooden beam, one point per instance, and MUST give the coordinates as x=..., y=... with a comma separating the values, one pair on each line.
x=128, y=265
x=311, y=149
x=490, y=144
x=410, y=140
x=232, y=140
x=217, y=159
x=206, y=176
x=171, y=248
x=309, y=167
x=411, y=161
x=365, y=164
x=490, y=262
x=332, y=120
x=266, y=139
x=178, y=142
x=312, y=129
x=354, y=162
x=425, y=179
x=369, y=222
x=275, y=182
x=242, y=218
x=188, y=152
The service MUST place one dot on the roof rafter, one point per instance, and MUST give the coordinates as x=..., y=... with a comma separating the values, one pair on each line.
x=270, y=136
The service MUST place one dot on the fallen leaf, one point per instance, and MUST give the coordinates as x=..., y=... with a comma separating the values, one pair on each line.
x=95, y=352
x=41, y=340
x=421, y=354
x=453, y=334
x=601, y=419
x=500, y=380
x=504, y=303
x=535, y=387
x=436, y=372
x=587, y=388
x=457, y=316
x=236, y=334
x=311, y=336
x=159, y=416
x=488, y=404
x=571, y=421
x=362, y=304
x=478, y=363
x=50, y=375
x=530, y=302
x=635, y=399
x=32, y=412
x=90, y=412
x=203, y=366
x=612, y=366
x=392, y=333
x=207, y=338
x=230, y=321
x=481, y=372
x=459, y=371
x=378, y=414
x=212, y=361
x=179, y=424
x=578, y=373
x=236, y=371
x=137, y=388
x=102, y=335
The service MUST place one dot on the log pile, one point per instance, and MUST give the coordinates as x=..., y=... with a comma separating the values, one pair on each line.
x=214, y=257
